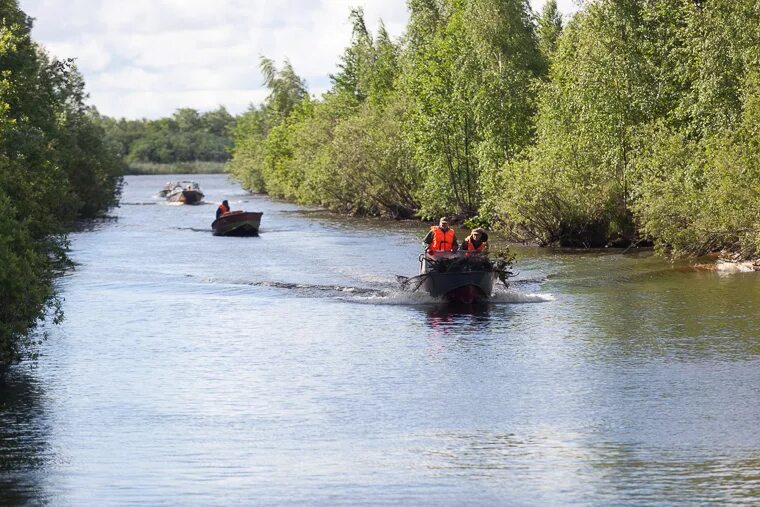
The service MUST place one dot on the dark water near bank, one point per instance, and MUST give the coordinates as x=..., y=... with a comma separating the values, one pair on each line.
x=287, y=369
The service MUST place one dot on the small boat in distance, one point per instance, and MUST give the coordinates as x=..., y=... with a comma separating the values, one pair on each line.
x=237, y=223
x=185, y=192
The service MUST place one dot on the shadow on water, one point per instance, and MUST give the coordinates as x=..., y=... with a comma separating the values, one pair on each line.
x=452, y=318
x=95, y=224
x=24, y=437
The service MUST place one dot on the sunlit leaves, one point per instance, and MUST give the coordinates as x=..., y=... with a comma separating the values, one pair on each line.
x=468, y=69
x=55, y=166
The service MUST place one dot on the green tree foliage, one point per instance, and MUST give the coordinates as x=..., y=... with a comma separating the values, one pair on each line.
x=262, y=153
x=347, y=151
x=646, y=130
x=548, y=30
x=699, y=188
x=54, y=167
x=249, y=134
x=286, y=89
x=374, y=164
x=92, y=166
x=573, y=186
x=186, y=136
x=722, y=46
x=468, y=69
x=354, y=77
x=635, y=121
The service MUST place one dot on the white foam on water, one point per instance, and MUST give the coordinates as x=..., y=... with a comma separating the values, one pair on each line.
x=734, y=267
x=519, y=297
x=421, y=298
x=393, y=297
x=398, y=297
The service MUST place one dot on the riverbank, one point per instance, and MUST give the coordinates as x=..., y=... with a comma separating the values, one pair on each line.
x=498, y=238
x=195, y=167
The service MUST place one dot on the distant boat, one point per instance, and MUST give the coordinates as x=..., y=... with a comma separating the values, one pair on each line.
x=237, y=223
x=185, y=192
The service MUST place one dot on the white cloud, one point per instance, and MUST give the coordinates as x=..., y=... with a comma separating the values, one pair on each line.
x=91, y=56
x=566, y=7
x=146, y=58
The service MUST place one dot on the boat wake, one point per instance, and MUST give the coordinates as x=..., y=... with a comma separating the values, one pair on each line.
x=193, y=229
x=513, y=297
x=402, y=297
x=319, y=289
x=390, y=295
x=397, y=297
x=305, y=289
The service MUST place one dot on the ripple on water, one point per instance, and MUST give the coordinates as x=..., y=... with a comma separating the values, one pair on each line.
x=289, y=369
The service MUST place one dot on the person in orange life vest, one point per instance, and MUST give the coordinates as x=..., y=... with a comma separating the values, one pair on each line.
x=441, y=238
x=477, y=241
x=222, y=209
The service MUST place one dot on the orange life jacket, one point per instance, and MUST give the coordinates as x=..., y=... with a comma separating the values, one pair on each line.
x=472, y=248
x=224, y=209
x=442, y=241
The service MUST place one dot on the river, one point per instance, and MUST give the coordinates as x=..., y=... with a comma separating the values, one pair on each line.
x=289, y=369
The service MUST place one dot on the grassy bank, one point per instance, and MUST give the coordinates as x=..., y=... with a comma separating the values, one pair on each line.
x=197, y=167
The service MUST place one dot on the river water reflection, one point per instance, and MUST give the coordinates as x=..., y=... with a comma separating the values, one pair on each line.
x=288, y=369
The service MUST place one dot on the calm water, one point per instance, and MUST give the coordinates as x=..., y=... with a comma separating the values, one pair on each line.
x=287, y=369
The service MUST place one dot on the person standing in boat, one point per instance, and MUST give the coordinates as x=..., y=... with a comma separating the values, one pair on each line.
x=441, y=238
x=477, y=241
x=222, y=209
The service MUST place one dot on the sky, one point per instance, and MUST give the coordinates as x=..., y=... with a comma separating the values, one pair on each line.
x=146, y=58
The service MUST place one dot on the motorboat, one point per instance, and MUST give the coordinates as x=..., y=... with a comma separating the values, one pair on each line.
x=237, y=223
x=462, y=277
x=185, y=192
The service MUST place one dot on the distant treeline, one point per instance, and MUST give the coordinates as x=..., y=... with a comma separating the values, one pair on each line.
x=180, y=141
x=636, y=121
x=55, y=167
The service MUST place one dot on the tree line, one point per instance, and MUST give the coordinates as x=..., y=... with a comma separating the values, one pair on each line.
x=635, y=122
x=186, y=136
x=56, y=166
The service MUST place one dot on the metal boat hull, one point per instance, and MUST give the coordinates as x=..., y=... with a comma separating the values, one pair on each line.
x=184, y=192
x=186, y=196
x=460, y=287
x=191, y=197
x=237, y=223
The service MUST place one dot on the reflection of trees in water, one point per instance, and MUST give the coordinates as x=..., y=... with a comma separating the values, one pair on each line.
x=547, y=464
x=671, y=314
x=24, y=437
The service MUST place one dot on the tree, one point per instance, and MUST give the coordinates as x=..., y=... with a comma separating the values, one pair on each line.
x=574, y=186
x=353, y=78
x=468, y=68
x=699, y=175
x=286, y=89
x=54, y=167
x=249, y=133
x=549, y=29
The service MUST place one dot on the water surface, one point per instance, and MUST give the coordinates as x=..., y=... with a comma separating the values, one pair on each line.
x=289, y=369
